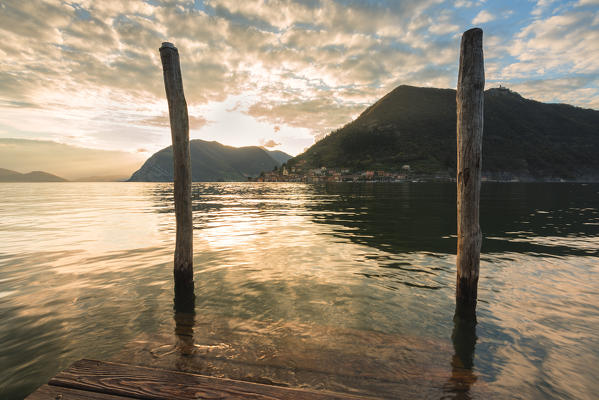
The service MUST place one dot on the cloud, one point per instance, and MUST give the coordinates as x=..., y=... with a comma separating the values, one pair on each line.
x=541, y=6
x=89, y=73
x=468, y=3
x=163, y=121
x=580, y=90
x=443, y=28
x=559, y=44
x=482, y=17
x=321, y=114
x=269, y=143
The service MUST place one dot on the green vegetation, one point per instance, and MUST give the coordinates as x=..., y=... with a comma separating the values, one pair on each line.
x=522, y=138
x=211, y=162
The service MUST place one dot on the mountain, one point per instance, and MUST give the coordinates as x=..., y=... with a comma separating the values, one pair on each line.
x=70, y=162
x=211, y=161
x=279, y=156
x=522, y=138
x=6, y=175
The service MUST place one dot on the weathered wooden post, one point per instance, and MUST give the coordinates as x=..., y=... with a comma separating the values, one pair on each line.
x=177, y=109
x=470, y=102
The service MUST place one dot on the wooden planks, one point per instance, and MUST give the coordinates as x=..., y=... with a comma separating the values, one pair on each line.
x=98, y=380
x=49, y=392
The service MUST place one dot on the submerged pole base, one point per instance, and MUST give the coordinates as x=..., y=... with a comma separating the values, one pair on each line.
x=184, y=291
x=465, y=310
x=462, y=363
x=464, y=342
x=465, y=301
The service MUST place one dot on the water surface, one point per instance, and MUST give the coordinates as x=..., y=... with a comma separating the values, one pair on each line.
x=338, y=287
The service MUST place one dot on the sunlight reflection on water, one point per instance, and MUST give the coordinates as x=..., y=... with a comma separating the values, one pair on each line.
x=338, y=287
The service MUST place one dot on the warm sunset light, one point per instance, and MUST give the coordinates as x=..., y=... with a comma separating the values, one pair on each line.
x=279, y=74
x=285, y=199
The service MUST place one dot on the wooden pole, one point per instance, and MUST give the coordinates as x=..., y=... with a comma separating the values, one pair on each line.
x=177, y=109
x=470, y=102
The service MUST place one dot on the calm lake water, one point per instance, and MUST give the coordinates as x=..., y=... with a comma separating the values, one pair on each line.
x=339, y=287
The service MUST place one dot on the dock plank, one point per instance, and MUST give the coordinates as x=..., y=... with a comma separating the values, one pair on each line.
x=49, y=392
x=157, y=384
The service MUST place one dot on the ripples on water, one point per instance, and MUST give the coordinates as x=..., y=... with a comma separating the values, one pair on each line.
x=340, y=287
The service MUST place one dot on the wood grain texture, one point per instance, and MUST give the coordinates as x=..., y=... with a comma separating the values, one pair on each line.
x=147, y=383
x=470, y=105
x=177, y=108
x=49, y=392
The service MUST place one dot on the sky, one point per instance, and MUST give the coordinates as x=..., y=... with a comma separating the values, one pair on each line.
x=280, y=74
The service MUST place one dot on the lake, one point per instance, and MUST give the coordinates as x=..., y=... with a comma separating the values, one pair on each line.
x=342, y=287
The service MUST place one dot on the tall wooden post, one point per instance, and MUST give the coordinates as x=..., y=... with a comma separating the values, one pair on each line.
x=470, y=102
x=177, y=109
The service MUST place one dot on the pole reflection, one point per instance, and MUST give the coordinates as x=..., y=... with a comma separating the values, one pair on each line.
x=184, y=323
x=462, y=362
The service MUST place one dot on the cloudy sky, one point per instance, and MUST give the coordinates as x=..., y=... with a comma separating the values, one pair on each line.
x=277, y=73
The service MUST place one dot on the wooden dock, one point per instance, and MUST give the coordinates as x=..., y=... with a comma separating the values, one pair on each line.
x=99, y=380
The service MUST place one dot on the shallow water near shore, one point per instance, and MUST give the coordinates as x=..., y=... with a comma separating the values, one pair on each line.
x=336, y=287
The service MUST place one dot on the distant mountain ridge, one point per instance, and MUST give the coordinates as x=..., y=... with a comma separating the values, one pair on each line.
x=71, y=162
x=212, y=161
x=279, y=156
x=7, y=175
x=523, y=139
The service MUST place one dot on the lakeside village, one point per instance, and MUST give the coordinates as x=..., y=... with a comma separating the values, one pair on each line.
x=299, y=173
x=324, y=174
